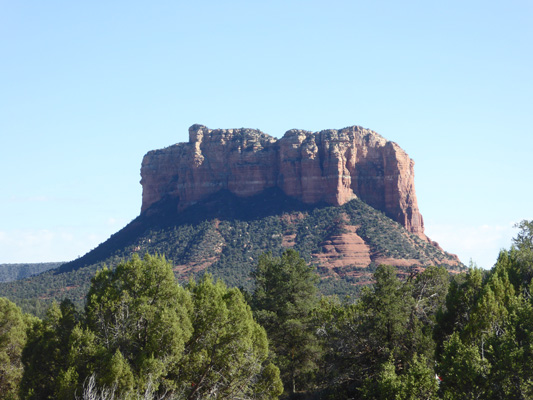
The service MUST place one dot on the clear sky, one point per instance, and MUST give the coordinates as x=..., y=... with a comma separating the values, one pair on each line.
x=87, y=88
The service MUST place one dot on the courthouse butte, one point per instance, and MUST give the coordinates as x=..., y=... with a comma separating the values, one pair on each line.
x=330, y=166
x=327, y=167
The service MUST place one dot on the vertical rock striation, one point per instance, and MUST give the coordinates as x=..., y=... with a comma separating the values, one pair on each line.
x=331, y=166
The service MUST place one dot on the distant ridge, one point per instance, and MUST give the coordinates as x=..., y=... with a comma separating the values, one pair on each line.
x=13, y=272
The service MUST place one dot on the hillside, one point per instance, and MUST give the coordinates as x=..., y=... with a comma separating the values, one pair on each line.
x=225, y=234
x=344, y=199
x=13, y=272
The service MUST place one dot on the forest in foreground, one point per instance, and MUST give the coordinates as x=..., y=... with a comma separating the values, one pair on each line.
x=142, y=335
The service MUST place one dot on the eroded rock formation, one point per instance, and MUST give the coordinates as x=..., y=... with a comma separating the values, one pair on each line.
x=330, y=166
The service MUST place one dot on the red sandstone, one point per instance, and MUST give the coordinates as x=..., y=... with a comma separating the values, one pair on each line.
x=332, y=166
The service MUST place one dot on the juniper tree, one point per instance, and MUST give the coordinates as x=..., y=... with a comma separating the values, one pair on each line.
x=284, y=298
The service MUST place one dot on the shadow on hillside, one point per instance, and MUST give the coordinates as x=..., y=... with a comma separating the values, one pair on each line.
x=222, y=205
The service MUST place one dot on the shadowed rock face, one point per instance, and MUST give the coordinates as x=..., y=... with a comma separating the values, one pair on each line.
x=330, y=166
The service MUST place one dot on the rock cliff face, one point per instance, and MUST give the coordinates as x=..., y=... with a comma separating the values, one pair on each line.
x=330, y=166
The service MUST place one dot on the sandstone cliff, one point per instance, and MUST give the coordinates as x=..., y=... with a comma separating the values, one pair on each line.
x=330, y=166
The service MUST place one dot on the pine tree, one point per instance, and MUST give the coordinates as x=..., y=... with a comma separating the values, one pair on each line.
x=284, y=298
x=226, y=356
x=46, y=354
x=13, y=325
x=139, y=316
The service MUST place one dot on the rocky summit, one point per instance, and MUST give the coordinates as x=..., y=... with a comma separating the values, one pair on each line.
x=331, y=167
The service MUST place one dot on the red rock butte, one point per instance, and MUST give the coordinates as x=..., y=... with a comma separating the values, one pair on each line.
x=331, y=166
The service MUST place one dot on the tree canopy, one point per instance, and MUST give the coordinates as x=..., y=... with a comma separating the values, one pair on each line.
x=13, y=327
x=284, y=298
x=142, y=335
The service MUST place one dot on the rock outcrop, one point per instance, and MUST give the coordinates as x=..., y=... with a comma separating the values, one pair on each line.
x=330, y=166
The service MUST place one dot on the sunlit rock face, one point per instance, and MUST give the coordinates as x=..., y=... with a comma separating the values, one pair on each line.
x=330, y=166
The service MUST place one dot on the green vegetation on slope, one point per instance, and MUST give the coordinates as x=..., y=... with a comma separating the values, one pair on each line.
x=13, y=272
x=227, y=235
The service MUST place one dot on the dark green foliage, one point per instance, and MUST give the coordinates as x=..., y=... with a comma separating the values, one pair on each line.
x=417, y=382
x=13, y=272
x=430, y=289
x=139, y=317
x=284, y=299
x=13, y=326
x=143, y=335
x=379, y=336
x=46, y=355
x=486, y=331
x=227, y=352
x=349, y=286
x=228, y=234
x=385, y=313
x=464, y=371
x=463, y=294
x=36, y=294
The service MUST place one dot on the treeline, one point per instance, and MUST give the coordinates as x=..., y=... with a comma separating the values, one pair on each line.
x=143, y=336
x=13, y=272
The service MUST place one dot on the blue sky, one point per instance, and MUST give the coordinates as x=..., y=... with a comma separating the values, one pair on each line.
x=87, y=88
